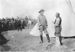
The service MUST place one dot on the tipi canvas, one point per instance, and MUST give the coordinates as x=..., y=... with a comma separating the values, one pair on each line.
x=66, y=12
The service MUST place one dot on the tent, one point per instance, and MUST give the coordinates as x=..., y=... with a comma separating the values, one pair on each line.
x=64, y=7
x=22, y=8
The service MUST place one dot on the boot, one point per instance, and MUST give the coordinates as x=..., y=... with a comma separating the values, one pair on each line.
x=48, y=38
x=60, y=39
x=41, y=37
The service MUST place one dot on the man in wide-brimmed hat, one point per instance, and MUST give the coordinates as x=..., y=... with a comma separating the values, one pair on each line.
x=43, y=25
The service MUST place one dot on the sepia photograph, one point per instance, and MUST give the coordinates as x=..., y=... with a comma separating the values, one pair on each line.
x=37, y=25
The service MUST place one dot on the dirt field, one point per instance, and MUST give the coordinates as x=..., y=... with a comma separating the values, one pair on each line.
x=23, y=42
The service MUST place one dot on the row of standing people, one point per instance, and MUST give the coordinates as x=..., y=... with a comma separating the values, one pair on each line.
x=11, y=24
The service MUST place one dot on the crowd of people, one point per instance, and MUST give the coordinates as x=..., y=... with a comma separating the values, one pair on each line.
x=7, y=24
x=12, y=24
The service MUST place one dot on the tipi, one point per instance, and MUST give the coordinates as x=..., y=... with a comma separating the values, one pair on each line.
x=64, y=7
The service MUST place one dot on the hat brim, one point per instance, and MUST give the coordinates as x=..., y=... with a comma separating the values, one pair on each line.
x=41, y=11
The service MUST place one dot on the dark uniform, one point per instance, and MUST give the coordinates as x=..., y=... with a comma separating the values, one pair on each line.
x=3, y=40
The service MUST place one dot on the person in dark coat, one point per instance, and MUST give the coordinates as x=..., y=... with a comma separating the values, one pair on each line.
x=3, y=40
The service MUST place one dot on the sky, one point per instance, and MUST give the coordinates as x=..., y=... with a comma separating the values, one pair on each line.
x=14, y=8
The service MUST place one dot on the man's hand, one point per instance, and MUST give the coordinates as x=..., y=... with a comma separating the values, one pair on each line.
x=47, y=26
x=54, y=23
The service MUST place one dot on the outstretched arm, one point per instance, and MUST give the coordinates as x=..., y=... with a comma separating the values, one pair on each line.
x=57, y=22
x=54, y=22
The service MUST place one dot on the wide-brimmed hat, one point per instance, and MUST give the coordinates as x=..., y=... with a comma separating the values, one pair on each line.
x=42, y=10
x=58, y=13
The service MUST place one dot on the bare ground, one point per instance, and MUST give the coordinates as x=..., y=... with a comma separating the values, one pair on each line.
x=22, y=41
